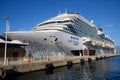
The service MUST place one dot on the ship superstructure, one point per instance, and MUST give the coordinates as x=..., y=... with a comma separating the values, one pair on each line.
x=68, y=33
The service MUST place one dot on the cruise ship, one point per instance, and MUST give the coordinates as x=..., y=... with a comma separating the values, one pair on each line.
x=68, y=33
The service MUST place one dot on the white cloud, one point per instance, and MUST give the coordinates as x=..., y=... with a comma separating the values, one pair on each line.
x=109, y=25
x=108, y=29
x=21, y=29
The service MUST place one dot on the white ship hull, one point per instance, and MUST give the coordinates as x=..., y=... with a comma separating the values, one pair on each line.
x=49, y=40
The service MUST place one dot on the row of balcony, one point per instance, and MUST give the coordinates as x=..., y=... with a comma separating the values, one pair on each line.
x=97, y=43
x=102, y=44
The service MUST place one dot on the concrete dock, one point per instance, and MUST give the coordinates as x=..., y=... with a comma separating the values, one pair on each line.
x=30, y=66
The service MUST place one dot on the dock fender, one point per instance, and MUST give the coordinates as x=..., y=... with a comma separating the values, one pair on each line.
x=49, y=66
x=89, y=60
x=15, y=69
x=82, y=61
x=104, y=57
x=101, y=57
x=69, y=63
x=3, y=72
x=96, y=58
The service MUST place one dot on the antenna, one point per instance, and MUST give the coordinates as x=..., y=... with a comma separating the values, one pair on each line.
x=7, y=23
x=59, y=12
x=66, y=10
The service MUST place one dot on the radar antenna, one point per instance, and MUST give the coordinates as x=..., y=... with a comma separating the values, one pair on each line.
x=59, y=12
x=66, y=10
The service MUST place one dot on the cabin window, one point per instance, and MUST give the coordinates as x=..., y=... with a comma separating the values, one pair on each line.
x=15, y=56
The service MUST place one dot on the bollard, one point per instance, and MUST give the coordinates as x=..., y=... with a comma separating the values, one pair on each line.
x=49, y=60
x=29, y=61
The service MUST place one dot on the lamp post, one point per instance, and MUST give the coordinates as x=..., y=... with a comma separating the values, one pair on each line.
x=7, y=26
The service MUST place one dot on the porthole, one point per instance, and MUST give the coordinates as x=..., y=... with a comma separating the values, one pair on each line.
x=45, y=39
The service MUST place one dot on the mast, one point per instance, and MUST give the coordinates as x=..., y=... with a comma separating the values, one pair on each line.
x=66, y=11
x=7, y=29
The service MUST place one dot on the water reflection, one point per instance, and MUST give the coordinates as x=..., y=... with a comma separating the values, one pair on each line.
x=106, y=69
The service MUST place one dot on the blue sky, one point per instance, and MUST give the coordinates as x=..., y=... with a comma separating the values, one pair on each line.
x=25, y=14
